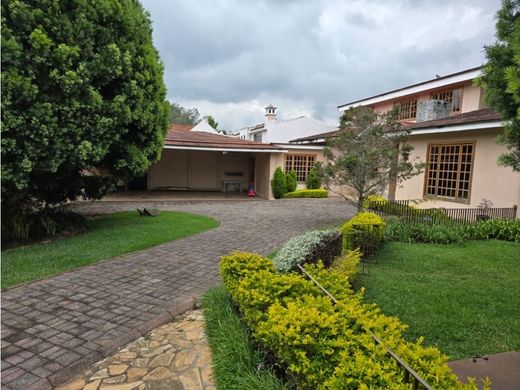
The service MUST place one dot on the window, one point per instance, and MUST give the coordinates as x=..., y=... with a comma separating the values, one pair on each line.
x=407, y=109
x=257, y=137
x=301, y=164
x=452, y=96
x=449, y=170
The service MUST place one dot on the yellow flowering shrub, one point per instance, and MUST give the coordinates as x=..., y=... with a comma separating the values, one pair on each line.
x=366, y=222
x=321, y=345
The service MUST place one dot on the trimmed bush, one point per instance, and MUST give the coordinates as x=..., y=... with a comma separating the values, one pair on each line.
x=326, y=346
x=290, y=178
x=373, y=200
x=369, y=224
x=279, y=183
x=313, y=181
x=319, y=193
x=310, y=247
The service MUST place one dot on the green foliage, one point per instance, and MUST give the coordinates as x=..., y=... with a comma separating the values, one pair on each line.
x=83, y=98
x=279, y=183
x=373, y=200
x=369, y=151
x=320, y=193
x=19, y=227
x=326, y=346
x=313, y=181
x=312, y=246
x=364, y=222
x=103, y=237
x=232, y=351
x=501, y=78
x=290, y=178
x=211, y=121
x=183, y=116
x=397, y=230
x=347, y=263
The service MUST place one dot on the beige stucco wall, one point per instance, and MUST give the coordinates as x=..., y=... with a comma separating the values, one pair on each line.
x=262, y=178
x=499, y=184
x=199, y=170
x=471, y=98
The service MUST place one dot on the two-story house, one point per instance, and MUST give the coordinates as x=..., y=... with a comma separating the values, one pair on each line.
x=455, y=134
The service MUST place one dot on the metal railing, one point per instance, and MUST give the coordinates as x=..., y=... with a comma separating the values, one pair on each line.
x=410, y=375
x=411, y=215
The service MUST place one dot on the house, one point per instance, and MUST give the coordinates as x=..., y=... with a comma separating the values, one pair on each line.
x=281, y=132
x=454, y=133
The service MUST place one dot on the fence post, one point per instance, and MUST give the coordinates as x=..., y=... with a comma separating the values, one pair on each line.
x=515, y=208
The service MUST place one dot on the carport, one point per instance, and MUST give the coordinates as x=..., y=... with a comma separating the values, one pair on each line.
x=200, y=161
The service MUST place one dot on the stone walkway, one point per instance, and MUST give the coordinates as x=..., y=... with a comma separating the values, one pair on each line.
x=174, y=356
x=54, y=328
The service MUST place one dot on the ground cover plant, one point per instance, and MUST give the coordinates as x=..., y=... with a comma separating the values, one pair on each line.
x=237, y=363
x=461, y=298
x=106, y=236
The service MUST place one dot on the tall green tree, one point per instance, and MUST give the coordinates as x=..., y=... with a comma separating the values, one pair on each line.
x=501, y=79
x=211, y=121
x=183, y=116
x=368, y=152
x=83, y=98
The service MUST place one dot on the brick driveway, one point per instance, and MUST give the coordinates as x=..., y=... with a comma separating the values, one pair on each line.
x=54, y=328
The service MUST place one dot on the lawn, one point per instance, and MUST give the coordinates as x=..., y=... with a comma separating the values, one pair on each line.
x=106, y=236
x=237, y=363
x=462, y=298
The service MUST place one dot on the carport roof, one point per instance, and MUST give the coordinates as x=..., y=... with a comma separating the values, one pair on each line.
x=197, y=140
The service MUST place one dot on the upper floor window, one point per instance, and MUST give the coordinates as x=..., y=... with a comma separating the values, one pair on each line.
x=257, y=137
x=407, y=109
x=452, y=96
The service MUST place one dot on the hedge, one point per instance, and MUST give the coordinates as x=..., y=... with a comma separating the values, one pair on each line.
x=319, y=193
x=310, y=247
x=321, y=345
x=364, y=222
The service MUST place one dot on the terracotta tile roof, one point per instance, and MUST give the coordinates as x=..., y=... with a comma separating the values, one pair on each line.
x=199, y=139
x=179, y=127
x=482, y=115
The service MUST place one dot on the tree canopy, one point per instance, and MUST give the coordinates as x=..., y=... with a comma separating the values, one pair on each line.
x=183, y=116
x=83, y=97
x=501, y=78
x=369, y=151
x=211, y=121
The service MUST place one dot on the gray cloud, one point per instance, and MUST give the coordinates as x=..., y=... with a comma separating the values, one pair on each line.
x=234, y=57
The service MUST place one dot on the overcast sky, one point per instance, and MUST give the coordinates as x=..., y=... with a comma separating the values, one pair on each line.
x=232, y=58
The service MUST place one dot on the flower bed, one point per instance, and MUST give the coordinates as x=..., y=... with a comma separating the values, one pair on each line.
x=319, y=193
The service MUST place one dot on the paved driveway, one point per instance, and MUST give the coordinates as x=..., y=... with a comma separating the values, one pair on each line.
x=54, y=328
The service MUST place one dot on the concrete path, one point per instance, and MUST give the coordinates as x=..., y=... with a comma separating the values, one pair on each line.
x=54, y=328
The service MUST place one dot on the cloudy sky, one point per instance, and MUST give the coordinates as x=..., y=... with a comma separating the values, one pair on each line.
x=231, y=58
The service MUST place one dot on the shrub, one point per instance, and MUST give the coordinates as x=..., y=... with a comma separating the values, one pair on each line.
x=397, y=230
x=347, y=264
x=312, y=246
x=372, y=201
x=362, y=230
x=319, y=193
x=313, y=181
x=326, y=346
x=290, y=178
x=279, y=183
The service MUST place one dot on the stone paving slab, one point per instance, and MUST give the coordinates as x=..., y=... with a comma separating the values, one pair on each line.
x=175, y=356
x=54, y=328
x=503, y=369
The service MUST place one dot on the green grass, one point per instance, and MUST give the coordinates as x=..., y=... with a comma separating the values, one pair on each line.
x=463, y=299
x=106, y=236
x=237, y=364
